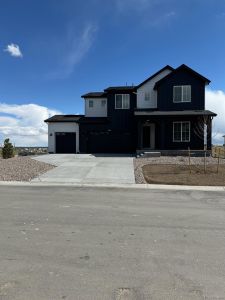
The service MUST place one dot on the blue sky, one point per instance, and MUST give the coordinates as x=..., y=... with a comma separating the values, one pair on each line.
x=52, y=52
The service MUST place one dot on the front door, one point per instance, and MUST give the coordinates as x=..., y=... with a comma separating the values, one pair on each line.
x=148, y=136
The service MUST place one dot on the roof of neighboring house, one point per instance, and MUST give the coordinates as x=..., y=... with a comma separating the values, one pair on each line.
x=155, y=74
x=121, y=88
x=94, y=95
x=64, y=118
x=183, y=66
x=174, y=113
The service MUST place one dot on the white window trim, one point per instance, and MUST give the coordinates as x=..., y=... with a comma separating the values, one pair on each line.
x=182, y=93
x=181, y=141
x=89, y=103
x=122, y=101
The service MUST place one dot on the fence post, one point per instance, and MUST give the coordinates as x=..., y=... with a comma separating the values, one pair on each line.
x=205, y=162
x=189, y=159
x=218, y=162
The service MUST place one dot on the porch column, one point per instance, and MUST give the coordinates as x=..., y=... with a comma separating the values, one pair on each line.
x=209, y=134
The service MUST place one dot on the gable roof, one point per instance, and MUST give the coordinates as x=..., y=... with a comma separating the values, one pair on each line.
x=185, y=67
x=155, y=74
x=94, y=95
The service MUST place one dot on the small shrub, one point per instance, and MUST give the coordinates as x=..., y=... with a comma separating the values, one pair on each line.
x=8, y=149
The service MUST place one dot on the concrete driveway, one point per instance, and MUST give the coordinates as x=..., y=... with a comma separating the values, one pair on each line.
x=87, y=168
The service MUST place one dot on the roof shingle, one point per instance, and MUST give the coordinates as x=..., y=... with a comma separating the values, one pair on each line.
x=64, y=118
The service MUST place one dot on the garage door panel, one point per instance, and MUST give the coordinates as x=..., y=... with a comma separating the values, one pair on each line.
x=65, y=142
x=110, y=143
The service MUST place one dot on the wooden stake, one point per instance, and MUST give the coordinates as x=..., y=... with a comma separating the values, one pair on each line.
x=218, y=162
x=205, y=162
x=189, y=159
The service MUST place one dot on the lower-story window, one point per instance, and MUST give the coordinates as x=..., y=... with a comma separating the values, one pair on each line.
x=181, y=131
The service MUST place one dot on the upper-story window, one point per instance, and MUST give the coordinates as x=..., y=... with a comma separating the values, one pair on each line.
x=103, y=103
x=91, y=103
x=147, y=96
x=182, y=93
x=122, y=101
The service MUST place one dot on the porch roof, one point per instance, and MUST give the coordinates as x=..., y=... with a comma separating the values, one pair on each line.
x=175, y=113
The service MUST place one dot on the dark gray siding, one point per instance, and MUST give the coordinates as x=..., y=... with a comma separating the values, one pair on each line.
x=117, y=135
x=164, y=133
x=181, y=77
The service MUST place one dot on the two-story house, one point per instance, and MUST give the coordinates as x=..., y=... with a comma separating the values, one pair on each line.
x=164, y=112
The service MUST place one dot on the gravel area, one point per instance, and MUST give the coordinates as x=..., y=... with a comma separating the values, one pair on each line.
x=177, y=160
x=22, y=169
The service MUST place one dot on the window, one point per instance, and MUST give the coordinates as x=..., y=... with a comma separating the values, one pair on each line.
x=91, y=103
x=181, y=131
x=147, y=96
x=182, y=93
x=103, y=103
x=122, y=101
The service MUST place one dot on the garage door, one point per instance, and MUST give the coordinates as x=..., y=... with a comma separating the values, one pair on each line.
x=65, y=142
x=110, y=143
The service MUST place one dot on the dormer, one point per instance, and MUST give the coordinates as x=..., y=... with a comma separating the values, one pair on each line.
x=146, y=95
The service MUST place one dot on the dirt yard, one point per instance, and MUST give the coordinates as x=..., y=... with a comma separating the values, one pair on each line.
x=180, y=174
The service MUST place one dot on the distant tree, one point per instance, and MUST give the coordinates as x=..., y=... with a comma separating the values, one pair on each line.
x=8, y=149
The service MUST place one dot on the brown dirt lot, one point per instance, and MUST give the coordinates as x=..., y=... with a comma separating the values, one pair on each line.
x=180, y=174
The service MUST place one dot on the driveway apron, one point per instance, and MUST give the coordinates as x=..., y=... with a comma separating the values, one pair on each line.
x=87, y=168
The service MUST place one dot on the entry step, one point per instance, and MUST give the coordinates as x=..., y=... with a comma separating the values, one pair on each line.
x=149, y=154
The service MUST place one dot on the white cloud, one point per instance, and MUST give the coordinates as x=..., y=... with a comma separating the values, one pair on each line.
x=74, y=50
x=24, y=124
x=215, y=101
x=147, y=12
x=163, y=18
x=14, y=50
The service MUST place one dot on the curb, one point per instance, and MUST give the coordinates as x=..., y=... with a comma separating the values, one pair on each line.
x=118, y=186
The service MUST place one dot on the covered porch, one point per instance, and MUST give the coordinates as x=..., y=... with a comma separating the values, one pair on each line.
x=157, y=130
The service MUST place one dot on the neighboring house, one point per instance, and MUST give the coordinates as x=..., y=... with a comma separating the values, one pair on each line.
x=164, y=112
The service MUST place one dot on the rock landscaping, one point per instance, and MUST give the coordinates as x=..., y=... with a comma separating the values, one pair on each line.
x=22, y=169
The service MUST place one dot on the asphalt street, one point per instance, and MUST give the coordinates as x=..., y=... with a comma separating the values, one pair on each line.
x=122, y=244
